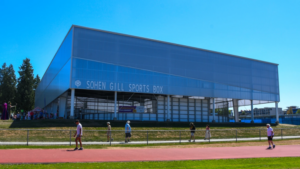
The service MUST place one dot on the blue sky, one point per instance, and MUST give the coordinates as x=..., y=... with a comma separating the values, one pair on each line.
x=267, y=30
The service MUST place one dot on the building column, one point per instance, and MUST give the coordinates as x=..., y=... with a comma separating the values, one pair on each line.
x=276, y=111
x=168, y=108
x=213, y=111
x=115, y=110
x=235, y=103
x=252, y=113
x=62, y=107
x=72, y=103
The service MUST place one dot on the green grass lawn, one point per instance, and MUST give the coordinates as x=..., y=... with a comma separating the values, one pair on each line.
x=255, y=163
x=58, y=133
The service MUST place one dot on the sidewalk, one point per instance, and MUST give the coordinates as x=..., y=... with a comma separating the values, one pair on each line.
x=153, y=154
x=145, y=142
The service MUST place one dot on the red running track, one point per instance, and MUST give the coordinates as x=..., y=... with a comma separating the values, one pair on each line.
x=151, y=154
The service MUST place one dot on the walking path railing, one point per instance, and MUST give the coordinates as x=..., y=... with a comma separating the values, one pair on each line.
x=48, y=136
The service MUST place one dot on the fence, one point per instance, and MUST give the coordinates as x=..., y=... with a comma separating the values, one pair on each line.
x=39, y=136
x=282, y=120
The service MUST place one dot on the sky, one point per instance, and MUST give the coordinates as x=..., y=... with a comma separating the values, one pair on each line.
x=266, y=30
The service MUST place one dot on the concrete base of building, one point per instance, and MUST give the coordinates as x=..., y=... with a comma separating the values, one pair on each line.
x=168, y=120
x=115, y=118
x=71, y=117
x=213, y=121
x=252, y=121
x=277, y=122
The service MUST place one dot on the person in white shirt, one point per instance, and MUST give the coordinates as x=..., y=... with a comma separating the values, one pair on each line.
x=270, y=134
x=78, y=135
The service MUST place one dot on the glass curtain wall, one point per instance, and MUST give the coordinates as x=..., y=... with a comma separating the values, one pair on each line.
x=99, y=105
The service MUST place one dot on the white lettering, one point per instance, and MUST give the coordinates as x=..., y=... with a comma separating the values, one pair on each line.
x=88, y=84
x=120, y=87
x=92, y=84
x=96, y=85
x=99, y=85
x=103, y=85
x=157, y=89
x=111, y=85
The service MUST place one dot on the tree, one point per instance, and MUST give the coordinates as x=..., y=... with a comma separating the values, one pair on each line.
x=298, y=111
x=37, y=80
x=290, y=111
x=25, y=92
x=1, y=80
x=243, y=112
x=8, y=84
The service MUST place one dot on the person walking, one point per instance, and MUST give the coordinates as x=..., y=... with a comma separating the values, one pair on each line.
x=18, y=116
x=270, y=134
x=207, y=133
x=78, y=135
x=192, y=129
x=31, y=115
x=109, y=132
x=127, y=132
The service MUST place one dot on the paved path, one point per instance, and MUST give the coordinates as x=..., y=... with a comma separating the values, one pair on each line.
x=123, y=155
x=145, y=142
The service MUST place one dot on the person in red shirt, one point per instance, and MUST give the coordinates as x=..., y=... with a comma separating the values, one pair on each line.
x=31, y=115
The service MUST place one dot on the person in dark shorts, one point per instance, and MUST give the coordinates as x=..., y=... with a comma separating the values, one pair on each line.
x=192, y=129
x=270, y=134
x=78, y=135
x=127, y=132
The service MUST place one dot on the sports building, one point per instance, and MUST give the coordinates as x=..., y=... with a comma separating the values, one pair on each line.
x=103, y=75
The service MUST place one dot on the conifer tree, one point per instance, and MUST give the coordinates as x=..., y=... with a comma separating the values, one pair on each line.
x=25, y=87
x=37, y=80
x=8, y=84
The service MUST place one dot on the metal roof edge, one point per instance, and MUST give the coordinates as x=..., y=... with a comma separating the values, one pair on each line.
x=170, y=43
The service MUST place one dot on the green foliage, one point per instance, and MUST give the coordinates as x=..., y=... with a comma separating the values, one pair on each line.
x=298, y=111
x=223, y=111
x=25, y=87
x=290, y=111
x=18, y=91
x=8, y=84
x=37, y=80
x=243, y=113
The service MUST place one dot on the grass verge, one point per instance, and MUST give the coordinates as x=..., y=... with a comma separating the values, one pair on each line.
x=266, y=163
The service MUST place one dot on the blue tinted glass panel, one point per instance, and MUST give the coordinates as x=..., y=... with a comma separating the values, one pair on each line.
x=102, y=76
x=175, y=60
x=56, y=79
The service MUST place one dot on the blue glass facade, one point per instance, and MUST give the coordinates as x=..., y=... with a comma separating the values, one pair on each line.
x=56, y=79
x=103, y=61
x=105, y=58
